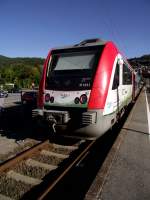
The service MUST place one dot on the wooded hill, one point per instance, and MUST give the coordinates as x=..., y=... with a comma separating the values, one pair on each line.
x=21, y=71
x=6, y=61
x=143, y=60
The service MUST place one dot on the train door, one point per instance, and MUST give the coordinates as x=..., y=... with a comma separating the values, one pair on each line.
x=126, y=86
x=114, y=94
x=116, y=87
x=114, y=98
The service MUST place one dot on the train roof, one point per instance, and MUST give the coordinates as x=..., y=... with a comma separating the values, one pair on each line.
x=84, y=43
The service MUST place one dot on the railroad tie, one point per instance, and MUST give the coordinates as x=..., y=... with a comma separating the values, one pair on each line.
x=65, y=147
x=50, y=153
x=23, y=178
x=34, y=163
x=3, y=197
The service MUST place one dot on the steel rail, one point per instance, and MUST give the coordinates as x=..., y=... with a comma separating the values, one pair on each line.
x=4, y=167
x=53, y=184
x=22, y=156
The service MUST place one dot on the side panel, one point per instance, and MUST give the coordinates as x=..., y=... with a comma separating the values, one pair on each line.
x=127, y=84
x=113, y=100
x=122, y=95
x=102, y=77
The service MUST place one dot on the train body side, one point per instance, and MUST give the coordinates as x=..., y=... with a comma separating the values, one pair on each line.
x=90, y=111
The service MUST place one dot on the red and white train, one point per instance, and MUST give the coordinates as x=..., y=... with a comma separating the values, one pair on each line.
x=85, y=88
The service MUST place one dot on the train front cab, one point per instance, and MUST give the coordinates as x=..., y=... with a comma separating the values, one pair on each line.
x=111, y=91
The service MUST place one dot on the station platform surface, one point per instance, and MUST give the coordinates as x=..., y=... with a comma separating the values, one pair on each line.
x=128, y=177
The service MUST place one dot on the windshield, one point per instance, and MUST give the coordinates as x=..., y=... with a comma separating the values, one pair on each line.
x=72, y=69
x=73, y=61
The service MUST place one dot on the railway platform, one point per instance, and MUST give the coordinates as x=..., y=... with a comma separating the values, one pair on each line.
x=125, y=174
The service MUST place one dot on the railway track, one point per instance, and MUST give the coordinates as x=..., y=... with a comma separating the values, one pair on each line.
x=35, y=172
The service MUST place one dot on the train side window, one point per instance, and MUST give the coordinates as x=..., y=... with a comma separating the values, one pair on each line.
x=116, y=78
x=127, y=75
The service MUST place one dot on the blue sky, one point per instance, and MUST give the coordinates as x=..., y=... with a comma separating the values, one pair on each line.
x=32, y=27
